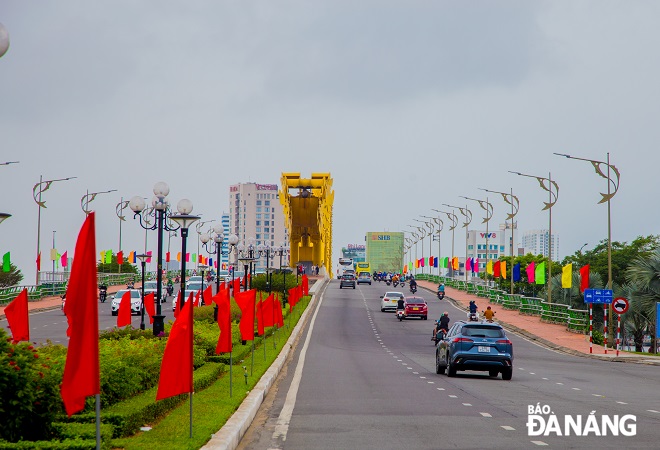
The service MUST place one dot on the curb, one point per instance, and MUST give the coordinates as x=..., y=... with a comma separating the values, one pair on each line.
x=560, y=348
x=231, y=433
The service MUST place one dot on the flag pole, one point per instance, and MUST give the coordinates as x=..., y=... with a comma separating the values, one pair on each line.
x=98, y=421
x=262, y=317
x=231, y=363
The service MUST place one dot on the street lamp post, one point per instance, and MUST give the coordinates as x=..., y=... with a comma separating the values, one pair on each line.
x=39, y=188
x=488, y=207
x=198, y=228
x=454, y=222
x=119, y=209
x=282, y=251
x=213, y=245
x=184, y=219
x=89, y=197
x=515, y=207
x=611, y=182
x=553, y=195
x=465, y=212
x=143, y=262
x=160, y=206
x=440, y=224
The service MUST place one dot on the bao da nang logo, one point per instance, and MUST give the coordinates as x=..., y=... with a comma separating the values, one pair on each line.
x=542, y=421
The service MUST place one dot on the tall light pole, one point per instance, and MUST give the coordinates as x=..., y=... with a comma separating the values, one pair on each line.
x=143, y=262
x=611, y=183
x=184, y=219
x=89, y=198
x=515, y=207
x=119, y=209
x=465, y=212
x=488, y=207
x=422, y=233
x=552, y=188
x=454, y=222
x=198, y=228
x=38, y=189
x=430, y=226
x=160, y=206
x=440, y=224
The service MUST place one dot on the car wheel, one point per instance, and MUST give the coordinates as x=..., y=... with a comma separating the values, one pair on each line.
x=507, y=373
x=493, y=372
x=382, y=309
x=340, y=286
x=439, y=368
x=451, y=370
x=114, y=313
x=425, y=318
x=353, y=286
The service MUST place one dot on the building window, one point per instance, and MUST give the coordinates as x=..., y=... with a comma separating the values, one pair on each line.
x=267, y=230
x=266, y=222
x=258, y=236
x=259, y=202
x=470, y=247
x=258, y=209
x=258, y=223
x=267, y=203
x=258, y=216
x=266, y=209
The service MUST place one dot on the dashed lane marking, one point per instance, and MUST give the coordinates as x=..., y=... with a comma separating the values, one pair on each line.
x=539, y=443
x=507, y=428
x=485, y=414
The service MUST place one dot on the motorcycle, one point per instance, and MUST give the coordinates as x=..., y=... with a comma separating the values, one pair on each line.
x=395, y=283
x=400, y=314
x=473, y=317
x=439, y=335
x=441, y=295
x=170, y=290
x=413, y=289
x=402, y=283
x=388, y=282
x=103, y=294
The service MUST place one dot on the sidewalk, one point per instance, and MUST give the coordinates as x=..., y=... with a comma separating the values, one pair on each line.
x=554, y=336
x=55, y=301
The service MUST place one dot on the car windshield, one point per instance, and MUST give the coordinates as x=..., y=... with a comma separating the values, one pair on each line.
x=480, y=331
x=394, y=295
x=415, y=300
x=151, y=285
x=134, y=294
x=194, y=286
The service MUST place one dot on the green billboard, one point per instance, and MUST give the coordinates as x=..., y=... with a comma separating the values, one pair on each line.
x=385, y=251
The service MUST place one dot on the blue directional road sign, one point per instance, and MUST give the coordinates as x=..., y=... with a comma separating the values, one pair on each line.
x=602, y=296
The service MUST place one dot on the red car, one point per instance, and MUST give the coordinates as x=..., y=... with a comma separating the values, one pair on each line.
x=416, y=307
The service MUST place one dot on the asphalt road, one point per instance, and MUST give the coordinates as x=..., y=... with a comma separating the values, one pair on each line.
x=368, y=381
x=51, y=325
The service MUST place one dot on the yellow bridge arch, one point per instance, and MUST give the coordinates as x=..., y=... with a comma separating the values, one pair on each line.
x=307, y=205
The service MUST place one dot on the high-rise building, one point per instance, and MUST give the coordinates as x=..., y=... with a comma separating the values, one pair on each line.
x=385, y=251
x=224, y=259
x=255, y=213
x=537, y=243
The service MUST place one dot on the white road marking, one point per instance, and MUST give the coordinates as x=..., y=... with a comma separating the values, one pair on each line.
x=409, y=368
x=453, y=396
x=560, y=383
x=597, y=395
x=576, y=389
x=507, y=428
x=431, y=382
x=415, y=373
x=653, y=411
x=539, y=443
x=423, y=378
x=485, y=414
x=467, y=404
x=544, y=378
x=532, y=373
x=520, y=368
x=282, y=427
x=441, y=389
x=622, y=403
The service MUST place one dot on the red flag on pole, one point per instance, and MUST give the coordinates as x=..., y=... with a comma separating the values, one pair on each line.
x=305, y=285
x=149, y=306
x=496, y=269
x=279, y=318
x=197, y=296
x=64, y=259
x=176, y=368
x=38, y=261
x=208, y=295
x=18, y=317
x=224, y=321
x=124, y=312
x=120, y=257
x=268, y=311
x=245, y=301
x=81, y=370
x=177, y=305
x=236, y=288
x=167, y=257
x=584, y=278
x=260, y=317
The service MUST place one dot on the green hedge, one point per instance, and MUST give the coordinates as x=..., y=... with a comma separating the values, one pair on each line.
x=67, y=444
x=128, y=416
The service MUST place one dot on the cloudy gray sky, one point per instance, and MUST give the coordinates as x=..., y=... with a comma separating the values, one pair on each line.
x=407, y=104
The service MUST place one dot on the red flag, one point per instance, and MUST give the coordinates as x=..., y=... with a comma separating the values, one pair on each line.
x=584, y=278
x=167, y=257
x=64, y=260
x=149, y=307
x=176, y=368
x=81, y=370
x=260, y=318
x=268, y=311
x=38, y=261
x=293, y=297
x=224, y=321
x=279, y=318
x=18, y=317
x=237, y=286
x=197, y=296
x=305, y=285
x=468, y=264
x=245, y=301
x=120, y=257
x=496, y=269
x=208, y=295
x=124, y=313
x=149, y=258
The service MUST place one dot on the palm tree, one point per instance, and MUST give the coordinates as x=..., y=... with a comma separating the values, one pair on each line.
x=636, y=320
x=644, y=272
x=572, y=296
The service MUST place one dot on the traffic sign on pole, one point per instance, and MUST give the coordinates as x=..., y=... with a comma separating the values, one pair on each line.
x=620, y=305
x=600, y=296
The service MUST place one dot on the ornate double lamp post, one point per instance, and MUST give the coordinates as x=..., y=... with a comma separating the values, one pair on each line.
x=160, y=207
x=213, y=246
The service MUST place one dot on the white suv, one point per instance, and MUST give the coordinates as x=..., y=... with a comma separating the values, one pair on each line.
x=389, y=300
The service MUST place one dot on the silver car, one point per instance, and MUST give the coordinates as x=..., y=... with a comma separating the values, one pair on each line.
x=136, y=301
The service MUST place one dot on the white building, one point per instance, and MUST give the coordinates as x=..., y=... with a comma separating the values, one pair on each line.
x=537, y=243
x=255, y=213
x=499, y=244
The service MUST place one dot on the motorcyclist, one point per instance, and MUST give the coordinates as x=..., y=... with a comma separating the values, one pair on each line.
x=473, y=307
x=441, y=288
x=488, y=314
x=441, y=324
x=400, y=305
x=413, y=284
x=170, y=287
x=103, y=291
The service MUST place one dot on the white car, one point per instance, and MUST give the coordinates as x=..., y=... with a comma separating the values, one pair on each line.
x=151, y=287
x=194, y=279
x=191, y=288
x=389, y=300
x=136, y=301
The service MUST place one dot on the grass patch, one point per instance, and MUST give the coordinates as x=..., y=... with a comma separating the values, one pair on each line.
x=212, y=407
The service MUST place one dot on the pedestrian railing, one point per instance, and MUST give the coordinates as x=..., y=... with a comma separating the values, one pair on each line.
x=511, y=301
x=482, y=290
x=554, y=312
x=530, y=306
x=578, y=320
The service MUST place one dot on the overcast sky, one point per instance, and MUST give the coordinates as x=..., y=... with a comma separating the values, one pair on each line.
x=407, y=104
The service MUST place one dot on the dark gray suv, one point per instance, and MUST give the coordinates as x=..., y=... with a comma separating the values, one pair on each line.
x=347, y=280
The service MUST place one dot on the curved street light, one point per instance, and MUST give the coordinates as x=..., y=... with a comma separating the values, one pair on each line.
x=552, y=188
x=488, y=207
x=465, y=212
x=454, y=222
x=88, y=198
x=515, y=207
